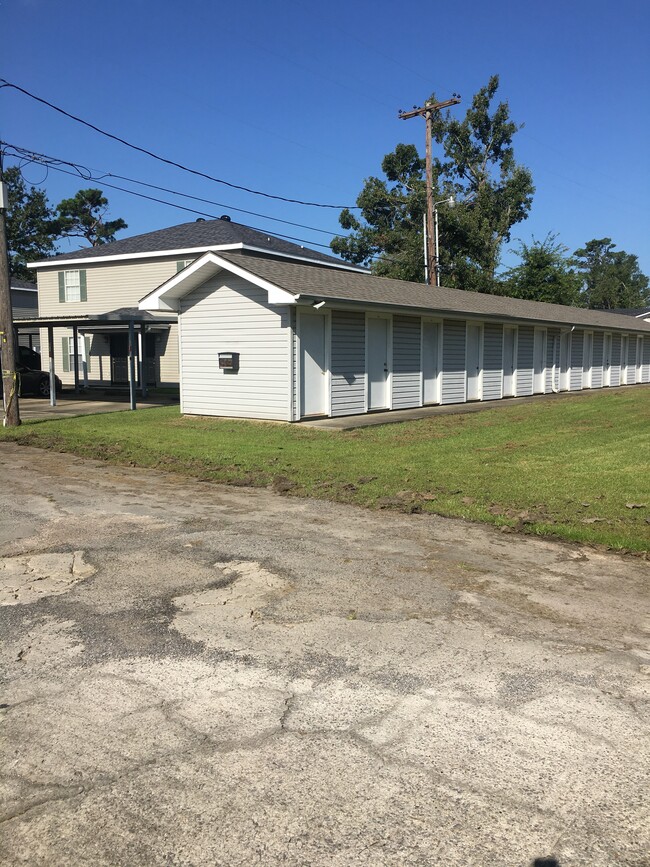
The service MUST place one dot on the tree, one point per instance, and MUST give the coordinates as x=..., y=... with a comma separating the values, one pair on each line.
x=478, y=167
x=544, y=274
x=31, y=225
x=83, y=217
x=611, y=279
x=393, y=219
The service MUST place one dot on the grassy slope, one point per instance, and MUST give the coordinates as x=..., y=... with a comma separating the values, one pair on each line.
x=551, y=467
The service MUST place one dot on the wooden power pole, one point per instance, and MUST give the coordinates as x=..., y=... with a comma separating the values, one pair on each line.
x=7, y=337
x=427, y=111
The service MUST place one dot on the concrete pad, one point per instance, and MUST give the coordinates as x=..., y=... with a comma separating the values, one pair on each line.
x=69, y=405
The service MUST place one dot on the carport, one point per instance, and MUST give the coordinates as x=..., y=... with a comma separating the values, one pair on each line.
x=130, y=321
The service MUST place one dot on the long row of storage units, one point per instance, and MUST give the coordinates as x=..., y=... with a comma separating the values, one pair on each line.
x=399, y=361
x=264, y=338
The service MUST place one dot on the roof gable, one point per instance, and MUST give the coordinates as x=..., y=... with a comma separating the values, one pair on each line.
x=168, y=295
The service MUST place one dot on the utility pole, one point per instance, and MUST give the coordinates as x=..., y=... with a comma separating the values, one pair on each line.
x=427, y=111
x=7, y=338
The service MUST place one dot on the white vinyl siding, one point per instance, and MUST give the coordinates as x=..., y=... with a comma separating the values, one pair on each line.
x=295, y=364
x=577, y=351
x=454, y=376
x=638, y=361
x=492, y=362
x=228, y=314
x=348, y=359
x=406, y=379
x=525, y=347
x=631, y=359
x=587, y=358
x=615, y=370
x=645, y=369
x=597, y=360
x=552, y=378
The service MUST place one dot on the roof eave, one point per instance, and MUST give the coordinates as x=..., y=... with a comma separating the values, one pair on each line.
x=309, y=298
x=181, y=252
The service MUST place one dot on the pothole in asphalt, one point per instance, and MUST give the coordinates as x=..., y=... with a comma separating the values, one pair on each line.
x=30, y=577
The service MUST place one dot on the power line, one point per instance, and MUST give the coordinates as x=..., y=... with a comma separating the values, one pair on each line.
x=98, y=176
x=86, y=174
x=161, y=159
x=57, y=168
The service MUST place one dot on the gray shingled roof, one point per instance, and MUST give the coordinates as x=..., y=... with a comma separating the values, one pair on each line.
x=326, y=283
x=207, y=233
x=633, y=311
x=21, y=284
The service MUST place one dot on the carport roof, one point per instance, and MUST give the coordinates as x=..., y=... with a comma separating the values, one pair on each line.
x=121, y=316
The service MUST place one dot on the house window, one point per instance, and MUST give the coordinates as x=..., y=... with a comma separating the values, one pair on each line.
x=72, y=286
x=72, y=353
x=82, y=352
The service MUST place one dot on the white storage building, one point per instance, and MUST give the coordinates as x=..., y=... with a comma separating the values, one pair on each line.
x=261, y=336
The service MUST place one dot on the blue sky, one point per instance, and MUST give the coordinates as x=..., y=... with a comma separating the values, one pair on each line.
x=300, y=99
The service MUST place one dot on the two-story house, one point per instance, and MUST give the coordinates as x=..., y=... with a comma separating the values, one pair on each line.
x=109, y=281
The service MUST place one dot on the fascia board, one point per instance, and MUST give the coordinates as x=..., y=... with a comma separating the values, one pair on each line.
x=123, y=257
x=167, y=296
x=308, y=299
x=187, y=251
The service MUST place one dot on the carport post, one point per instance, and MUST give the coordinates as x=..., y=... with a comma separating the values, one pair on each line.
x=84, y=359
x=75, y=357
x=142, y=343
x=132, y=362
x=50, y=352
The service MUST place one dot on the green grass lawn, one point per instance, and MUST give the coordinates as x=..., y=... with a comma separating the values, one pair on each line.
x=566, y=468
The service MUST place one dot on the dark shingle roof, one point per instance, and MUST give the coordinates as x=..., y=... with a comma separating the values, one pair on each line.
x=21, y=284
x=326, y=283
x=207, y=233
x=632, y=311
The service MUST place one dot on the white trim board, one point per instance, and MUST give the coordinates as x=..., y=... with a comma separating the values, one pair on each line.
x=185, y=251
x=167, y=295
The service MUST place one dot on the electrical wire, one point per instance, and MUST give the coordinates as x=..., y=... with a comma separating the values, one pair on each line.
x=4, y=83
x=57, y=168
x=86, y=174
x=99, y=177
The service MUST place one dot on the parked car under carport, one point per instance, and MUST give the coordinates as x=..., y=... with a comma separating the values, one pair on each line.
x=34, y=382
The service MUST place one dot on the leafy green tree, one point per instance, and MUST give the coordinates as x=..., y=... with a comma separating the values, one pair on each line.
x=478, y=168
x=32, y=229
x=83, y=216
x=612, y=278
x=545, y=273
x=393, y=216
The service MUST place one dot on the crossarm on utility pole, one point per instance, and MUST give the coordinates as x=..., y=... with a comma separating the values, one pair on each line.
x=427, y=111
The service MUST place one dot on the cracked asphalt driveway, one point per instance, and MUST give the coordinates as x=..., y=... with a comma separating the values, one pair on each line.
x=201, y=675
